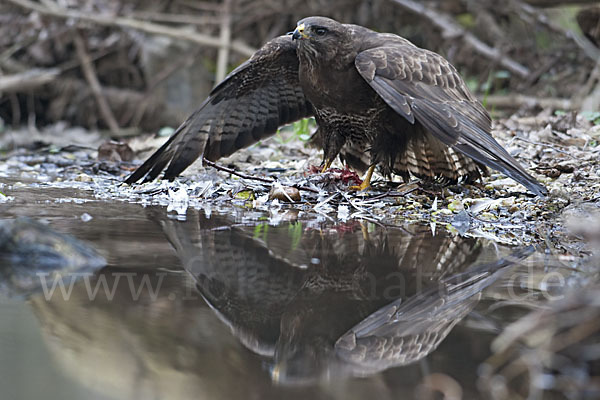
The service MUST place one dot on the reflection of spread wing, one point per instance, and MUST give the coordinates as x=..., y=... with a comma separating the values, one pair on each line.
x=246, y=287
x=406, y=331
x=422, y=86
x=250, y=104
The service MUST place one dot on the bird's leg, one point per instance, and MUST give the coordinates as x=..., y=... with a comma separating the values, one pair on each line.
x=367, y=181
x=327, y=165
x=365, y=230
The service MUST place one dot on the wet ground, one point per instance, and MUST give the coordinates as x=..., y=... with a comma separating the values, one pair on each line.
x=227, y=303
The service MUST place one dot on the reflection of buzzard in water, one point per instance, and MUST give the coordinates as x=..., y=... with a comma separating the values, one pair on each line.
x=377, y=99
x=321, y=302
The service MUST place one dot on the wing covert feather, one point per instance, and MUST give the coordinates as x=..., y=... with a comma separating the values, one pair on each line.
x=423, y=86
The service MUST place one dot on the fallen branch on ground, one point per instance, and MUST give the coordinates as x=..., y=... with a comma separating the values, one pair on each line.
x=250, y=177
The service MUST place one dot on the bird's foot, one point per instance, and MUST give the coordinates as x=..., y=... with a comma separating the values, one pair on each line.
x=366, y=182
x=326, y=165
x=363, y=186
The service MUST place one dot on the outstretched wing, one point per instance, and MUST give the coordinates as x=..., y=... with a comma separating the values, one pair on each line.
x=422, y=86
x=248, y=105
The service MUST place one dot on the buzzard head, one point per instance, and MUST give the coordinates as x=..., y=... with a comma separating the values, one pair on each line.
x=321, y=39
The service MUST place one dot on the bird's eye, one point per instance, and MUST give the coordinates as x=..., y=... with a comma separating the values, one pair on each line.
x=320, y=31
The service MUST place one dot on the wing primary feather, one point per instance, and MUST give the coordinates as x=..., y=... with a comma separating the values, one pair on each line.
x=506, y=164
x=267, y=83
x=159, y=157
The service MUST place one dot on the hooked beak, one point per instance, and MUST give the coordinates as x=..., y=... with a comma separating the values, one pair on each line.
x=299, y=33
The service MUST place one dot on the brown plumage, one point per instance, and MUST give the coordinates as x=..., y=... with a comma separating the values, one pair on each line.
x=377, y=99
x=248, y=105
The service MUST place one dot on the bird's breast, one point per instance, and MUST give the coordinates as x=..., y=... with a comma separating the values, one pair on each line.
x=343, y=90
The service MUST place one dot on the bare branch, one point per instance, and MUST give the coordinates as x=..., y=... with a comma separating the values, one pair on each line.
x=124, y=22
x=225, y=37
x=557, y=3
x=530, y=14
x=591, y=91
x=27, y=80
x=175, y=18
x=250, y=177
x=92, y=79
x=451, y=29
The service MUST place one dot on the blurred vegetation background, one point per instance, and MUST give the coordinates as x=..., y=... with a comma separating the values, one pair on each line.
x=131, y=66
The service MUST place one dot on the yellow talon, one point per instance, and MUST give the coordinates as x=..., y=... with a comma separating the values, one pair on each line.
x=327, y=165
x=366, y=182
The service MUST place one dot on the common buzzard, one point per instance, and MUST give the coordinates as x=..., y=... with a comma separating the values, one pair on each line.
x=377, y=99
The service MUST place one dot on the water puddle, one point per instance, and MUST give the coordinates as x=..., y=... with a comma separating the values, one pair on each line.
x=227, y=303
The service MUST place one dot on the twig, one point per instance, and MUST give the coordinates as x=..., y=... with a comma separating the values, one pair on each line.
x=202, y=5
x=124, y=22
x=588, y=86
x=590, y=92
x=306, y=188
x=6, y=54
x=75, y=63
x=225, y=37
x=175, y=18
x=545, y=145
x=535, y=75
x=27, y=80
x=63, y=91
x=30, y=79
x=410, y=187
x=451, y=29
x=15, y=109
x=528, y=12
x=236, y=173
x=323, y=202
x=361, y=211
x=92, y=79
x=250, y=177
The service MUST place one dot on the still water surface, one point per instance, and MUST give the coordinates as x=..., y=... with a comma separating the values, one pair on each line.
x=233, y=304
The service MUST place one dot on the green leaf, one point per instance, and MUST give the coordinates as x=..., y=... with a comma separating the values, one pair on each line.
x=257, y=230
x=592, y=116
x=244, y=195
x=295, y=231
x=466, y=20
